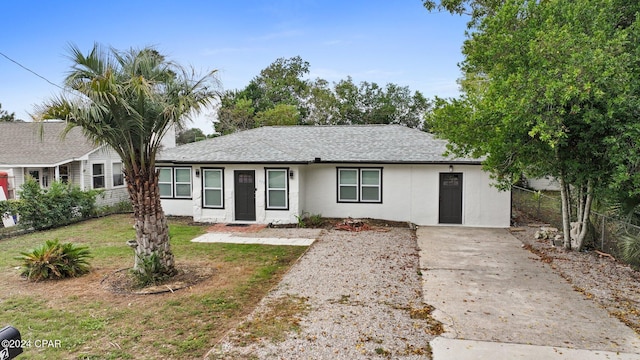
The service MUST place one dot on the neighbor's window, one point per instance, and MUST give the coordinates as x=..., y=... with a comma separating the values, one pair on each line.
x=165, y=182
x=118, y=176
x=63, y=171
x=98, y=175
x=213, y=193
x=182, y=178
x=277, y=183
x=360, y=185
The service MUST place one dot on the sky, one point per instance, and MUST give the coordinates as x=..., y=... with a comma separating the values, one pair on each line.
x=384, y=42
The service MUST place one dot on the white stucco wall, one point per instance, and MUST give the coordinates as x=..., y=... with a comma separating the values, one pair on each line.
x=178, y=207
x=193, y=207
x=409, y=193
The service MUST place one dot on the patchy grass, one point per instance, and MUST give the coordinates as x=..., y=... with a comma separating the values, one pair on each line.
x=281, y=316
x=92, y=323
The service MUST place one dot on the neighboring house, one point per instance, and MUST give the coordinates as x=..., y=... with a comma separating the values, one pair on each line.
x=73, y=159
x=276, y=174
x=547, y=183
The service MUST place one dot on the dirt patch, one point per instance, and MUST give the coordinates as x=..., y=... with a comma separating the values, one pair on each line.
x=124, y=282
x=236, y=228
x=613, y=285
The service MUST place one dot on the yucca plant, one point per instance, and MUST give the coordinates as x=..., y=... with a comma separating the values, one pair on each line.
x=54, y=260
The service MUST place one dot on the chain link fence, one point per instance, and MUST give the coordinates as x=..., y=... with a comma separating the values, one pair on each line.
x=605, y=231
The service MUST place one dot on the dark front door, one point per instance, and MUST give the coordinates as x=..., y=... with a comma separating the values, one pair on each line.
x=450, y=198
x=245, y=198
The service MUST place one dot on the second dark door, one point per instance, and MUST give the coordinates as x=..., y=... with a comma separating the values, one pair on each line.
x=450, y=208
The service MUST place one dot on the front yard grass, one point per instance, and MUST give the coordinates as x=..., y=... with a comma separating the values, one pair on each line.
x=81, y=319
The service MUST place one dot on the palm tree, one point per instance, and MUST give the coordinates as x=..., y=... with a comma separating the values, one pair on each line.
x=129, y=100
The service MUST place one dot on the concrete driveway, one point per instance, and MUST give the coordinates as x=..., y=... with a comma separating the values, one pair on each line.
x=499, y=301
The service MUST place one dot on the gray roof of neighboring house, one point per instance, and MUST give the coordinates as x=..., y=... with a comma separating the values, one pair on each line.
x=21, y=144
x=304, y=144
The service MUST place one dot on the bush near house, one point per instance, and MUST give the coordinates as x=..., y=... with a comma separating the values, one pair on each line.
x=59, y=205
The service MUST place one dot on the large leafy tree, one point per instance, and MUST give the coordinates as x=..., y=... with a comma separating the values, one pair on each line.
x=548, y=89
x=281, y=95
x=129, y=100
x=189, y=135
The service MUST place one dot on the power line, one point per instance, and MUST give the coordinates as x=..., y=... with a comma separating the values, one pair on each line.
x=33, y=72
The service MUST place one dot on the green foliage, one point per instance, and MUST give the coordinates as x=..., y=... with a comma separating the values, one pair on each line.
x=549, y=89
x=281, y=96
x=309, y=220
x=59, y=205
x=150, y=271
x=54, y=260
x=5, y=116
x=235, y=114
x=629, y=246
x=121, y=207
x=189, y=136
x=314, y=220
x=130, y=100
x=281, y=114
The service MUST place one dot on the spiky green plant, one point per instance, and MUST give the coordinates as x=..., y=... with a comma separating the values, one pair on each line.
x=150, y=270
x=629, y=246
x=54, y=260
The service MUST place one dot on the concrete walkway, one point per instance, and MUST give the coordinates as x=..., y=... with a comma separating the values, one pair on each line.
x=264, y=237
x=498, y=301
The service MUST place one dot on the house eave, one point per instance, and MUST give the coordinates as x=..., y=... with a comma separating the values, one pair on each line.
x=375, y=162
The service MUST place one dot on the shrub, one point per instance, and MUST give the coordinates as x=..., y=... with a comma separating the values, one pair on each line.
x=121, y=207
x=54, y=260
x=59, y=205
x=630, y=249
x=150, y=270
x=309, y=220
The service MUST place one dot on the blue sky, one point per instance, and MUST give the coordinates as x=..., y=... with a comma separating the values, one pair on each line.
x=376, y=41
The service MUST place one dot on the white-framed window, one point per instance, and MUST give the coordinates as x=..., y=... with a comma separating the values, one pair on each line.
x=97, y=176
x=347, y=185
x=174, y=182
x=370, y=189
x=360, y=185
x=118, y=176
x=182, y=182
x=213, y=188
x=277, y=189
x=165, y=182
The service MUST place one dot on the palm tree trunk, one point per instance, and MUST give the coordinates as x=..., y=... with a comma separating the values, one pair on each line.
x=152, y=231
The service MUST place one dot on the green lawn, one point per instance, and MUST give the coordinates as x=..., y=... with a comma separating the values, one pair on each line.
x=82, y=320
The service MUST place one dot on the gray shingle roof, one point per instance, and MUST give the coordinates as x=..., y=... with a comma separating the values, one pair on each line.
x=20, y=144
x=303, y=144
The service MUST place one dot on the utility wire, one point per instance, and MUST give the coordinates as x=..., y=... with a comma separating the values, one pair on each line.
x=33, y=72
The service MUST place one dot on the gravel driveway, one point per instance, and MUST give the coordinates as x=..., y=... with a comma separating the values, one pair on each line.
x=364, y=301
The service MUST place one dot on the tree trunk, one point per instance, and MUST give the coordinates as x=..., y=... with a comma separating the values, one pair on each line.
x=585, y=211
x=566, y=226
x=152, y=231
